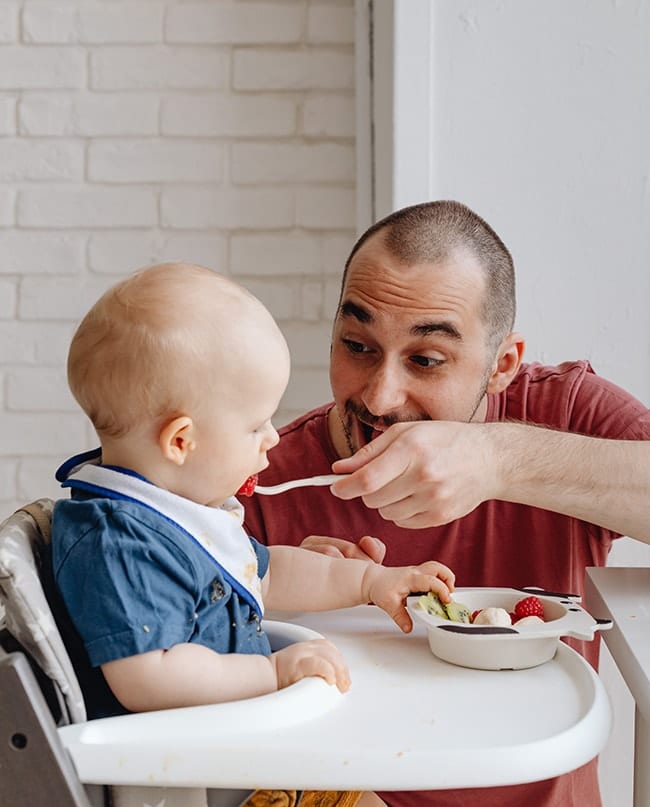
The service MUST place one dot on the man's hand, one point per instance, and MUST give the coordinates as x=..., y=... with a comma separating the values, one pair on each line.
x=422, y=474
x=367, y=548
x=388, y=587
x=318, y=657
x=427, y=473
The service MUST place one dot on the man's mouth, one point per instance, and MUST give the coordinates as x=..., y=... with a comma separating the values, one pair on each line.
x=362, y=428
x=369, y=432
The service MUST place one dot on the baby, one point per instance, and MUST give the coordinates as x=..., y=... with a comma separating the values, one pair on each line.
x=180, y=371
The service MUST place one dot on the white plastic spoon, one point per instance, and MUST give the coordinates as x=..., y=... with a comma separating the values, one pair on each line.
x=269, y=490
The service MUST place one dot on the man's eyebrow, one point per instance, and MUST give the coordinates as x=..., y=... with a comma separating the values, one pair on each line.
x=349, y=309
x=427, y=328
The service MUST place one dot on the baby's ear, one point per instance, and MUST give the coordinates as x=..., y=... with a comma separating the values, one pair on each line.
x=176, y=439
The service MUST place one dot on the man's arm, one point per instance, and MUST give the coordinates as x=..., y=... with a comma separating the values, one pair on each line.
x=429, y=473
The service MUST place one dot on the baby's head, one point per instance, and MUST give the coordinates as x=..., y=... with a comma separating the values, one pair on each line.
x=179, y=367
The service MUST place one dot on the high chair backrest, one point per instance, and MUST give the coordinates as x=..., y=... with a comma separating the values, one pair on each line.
x=24, y=538
x=35, y=769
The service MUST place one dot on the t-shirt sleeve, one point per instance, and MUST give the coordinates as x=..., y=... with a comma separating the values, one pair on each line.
x=128, y=590
x=602, y=409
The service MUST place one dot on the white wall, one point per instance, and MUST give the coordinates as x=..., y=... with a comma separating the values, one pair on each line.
x=536, y=113
x=214, y=131
x=540, y=121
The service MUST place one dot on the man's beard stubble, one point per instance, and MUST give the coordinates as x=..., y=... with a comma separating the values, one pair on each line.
x=369, y=423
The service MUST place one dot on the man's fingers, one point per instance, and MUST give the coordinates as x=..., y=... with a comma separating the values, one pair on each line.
x=374, y=467
x=372, y=548
x=368, y=548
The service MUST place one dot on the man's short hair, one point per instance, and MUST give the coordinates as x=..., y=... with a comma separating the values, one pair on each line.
x=431, y=232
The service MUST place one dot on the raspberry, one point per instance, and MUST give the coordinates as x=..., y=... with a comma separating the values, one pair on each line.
x=529, y=606
x=513, y=617
x=248, y=488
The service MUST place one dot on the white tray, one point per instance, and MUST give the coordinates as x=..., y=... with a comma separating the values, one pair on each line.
x=410, y=721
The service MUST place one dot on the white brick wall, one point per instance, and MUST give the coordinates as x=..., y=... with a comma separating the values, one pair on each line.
x=136, y=131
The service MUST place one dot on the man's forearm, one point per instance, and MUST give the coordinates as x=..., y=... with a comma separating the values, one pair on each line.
x=604, y=482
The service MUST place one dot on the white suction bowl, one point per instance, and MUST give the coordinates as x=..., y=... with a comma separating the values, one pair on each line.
x=488, y=647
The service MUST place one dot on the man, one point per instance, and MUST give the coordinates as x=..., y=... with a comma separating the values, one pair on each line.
x=511, y=474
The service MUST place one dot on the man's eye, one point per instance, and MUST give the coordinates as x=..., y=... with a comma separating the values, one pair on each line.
x=426, y=361
x=354, y=347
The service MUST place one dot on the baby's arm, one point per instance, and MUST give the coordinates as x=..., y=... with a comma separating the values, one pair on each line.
x=311, y=581
x=191, y=674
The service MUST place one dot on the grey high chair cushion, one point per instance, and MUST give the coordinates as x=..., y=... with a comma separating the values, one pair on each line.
x=28, y=617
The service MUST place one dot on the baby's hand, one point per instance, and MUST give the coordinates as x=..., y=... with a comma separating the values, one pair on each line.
x=388, y=587
x=316, y=657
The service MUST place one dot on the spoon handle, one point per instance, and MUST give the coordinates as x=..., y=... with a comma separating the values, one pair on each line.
x=298, y=483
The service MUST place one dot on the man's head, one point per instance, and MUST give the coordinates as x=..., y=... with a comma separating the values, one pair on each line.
x=432, y=232
x=423, y=326
x=178, y=367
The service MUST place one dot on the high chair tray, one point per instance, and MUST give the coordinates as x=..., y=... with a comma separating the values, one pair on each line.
x=409, y=721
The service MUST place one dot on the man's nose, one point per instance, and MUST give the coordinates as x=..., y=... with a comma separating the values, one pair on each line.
x=385, y=390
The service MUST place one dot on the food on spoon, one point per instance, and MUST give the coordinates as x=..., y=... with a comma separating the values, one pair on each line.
x=493, y=616
x=454, y=611
x=248, y=488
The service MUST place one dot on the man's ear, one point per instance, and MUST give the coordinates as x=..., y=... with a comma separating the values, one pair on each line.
x=177, y=440
x=507, y=363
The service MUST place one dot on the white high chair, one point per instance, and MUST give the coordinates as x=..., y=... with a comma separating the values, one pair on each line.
x=39, y=690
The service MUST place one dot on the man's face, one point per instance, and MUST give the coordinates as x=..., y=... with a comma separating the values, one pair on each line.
x=409, y=343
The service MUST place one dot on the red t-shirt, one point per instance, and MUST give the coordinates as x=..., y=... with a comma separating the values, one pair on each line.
x=497, y=544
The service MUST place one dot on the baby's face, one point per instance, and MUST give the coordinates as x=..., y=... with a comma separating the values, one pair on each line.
x=234, y=428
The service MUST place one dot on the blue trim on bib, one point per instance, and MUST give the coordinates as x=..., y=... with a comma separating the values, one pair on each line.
x=107, y=493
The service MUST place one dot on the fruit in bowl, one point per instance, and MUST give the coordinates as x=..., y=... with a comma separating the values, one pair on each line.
x=501, y=628
x=526, y=611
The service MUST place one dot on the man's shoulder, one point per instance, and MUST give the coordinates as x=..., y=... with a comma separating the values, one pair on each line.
x=314, y=419
x=566, y=372
x=572, y=396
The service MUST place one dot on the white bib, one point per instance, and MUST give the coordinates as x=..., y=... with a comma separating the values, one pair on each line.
x=217, y=531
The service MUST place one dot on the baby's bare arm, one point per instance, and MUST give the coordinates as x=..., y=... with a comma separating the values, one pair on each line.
x=311, y=581
x=191, y=674
x=187, y=675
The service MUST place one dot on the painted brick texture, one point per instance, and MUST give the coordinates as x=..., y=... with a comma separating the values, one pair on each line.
x=131, y=132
